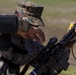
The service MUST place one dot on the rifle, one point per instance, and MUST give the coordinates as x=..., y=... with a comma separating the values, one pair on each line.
x=52, y=56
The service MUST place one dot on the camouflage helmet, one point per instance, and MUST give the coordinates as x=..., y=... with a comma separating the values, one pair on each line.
x=32, y=11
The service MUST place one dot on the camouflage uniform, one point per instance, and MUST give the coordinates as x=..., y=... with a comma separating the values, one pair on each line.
x=32, y=13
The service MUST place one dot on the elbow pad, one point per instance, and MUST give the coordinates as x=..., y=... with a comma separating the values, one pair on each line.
x=8, y=23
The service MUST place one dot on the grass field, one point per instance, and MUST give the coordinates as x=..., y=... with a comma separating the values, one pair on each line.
x=57, y=15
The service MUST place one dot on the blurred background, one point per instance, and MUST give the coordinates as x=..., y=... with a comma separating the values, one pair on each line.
x=57, y=15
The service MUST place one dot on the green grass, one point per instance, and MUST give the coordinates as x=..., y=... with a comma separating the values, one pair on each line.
x=58, y=7
x=71, y=71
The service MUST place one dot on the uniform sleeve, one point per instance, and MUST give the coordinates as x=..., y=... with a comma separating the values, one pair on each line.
x=8, y=24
